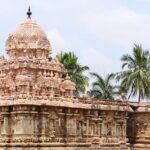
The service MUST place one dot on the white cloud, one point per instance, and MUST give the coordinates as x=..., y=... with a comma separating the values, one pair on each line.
x=119, y=27
x=58, y=43
x=97, y=61
x=91, y=57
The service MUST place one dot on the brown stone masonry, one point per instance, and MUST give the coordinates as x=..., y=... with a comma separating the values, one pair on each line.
x=38, y=110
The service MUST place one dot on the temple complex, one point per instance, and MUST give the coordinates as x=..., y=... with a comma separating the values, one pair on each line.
x=38, y=109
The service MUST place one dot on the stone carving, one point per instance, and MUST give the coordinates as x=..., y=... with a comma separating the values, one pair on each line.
x=109, y=130
x=67, y=87
x=141, y=127
x=2, y=60
x=28, y=38
x=38, y=107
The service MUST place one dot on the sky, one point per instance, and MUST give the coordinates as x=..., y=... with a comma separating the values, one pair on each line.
x=99, y=32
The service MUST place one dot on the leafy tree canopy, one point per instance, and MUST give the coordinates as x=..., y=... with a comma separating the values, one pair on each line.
x=135, y=76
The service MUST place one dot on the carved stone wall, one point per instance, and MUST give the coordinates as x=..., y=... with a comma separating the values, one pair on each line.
x=46, y=127
x=138, y=129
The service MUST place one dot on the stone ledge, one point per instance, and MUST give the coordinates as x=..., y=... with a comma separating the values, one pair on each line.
x=66, y=104
x=45, y=144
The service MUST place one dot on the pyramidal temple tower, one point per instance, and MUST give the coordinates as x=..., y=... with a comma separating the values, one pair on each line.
x=38, y=109
x=28, y=75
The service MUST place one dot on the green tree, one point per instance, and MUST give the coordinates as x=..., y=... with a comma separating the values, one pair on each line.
x=74, y=70
x=135, y=77
x=102, y=87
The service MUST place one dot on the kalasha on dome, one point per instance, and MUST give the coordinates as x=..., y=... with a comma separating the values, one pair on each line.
x=29, y=35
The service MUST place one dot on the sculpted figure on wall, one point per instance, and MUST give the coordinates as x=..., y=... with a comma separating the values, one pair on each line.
x=109, y=130
x=141, y=127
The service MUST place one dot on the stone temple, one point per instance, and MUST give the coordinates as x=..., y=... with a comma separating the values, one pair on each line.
x=38, y=109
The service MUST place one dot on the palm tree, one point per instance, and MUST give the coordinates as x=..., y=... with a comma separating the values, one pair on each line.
x=102, y=87
x=135, y=77
x=74, y=70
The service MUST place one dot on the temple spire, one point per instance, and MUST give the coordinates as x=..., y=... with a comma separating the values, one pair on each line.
x=29, y=13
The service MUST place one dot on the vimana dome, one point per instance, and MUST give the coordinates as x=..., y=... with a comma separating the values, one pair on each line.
x=28, y=73
x=29, y=35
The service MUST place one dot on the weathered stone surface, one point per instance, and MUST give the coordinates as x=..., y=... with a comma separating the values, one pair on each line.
x=138, y=129
x=38, y=109
x=32, y=125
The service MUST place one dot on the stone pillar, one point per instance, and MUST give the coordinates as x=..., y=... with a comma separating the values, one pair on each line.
x=71, y=128
x=62, y=130
x=104, y=128
x=6, y=126
x=87, y=128
x=43, y=125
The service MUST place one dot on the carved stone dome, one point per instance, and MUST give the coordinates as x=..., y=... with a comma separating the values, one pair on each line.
x=68, y=84
x=28, y=35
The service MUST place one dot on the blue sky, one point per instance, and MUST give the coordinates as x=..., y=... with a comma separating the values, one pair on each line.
x=98, y=31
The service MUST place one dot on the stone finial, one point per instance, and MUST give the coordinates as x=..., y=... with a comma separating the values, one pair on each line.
x=28, y=36
x=29, y=13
